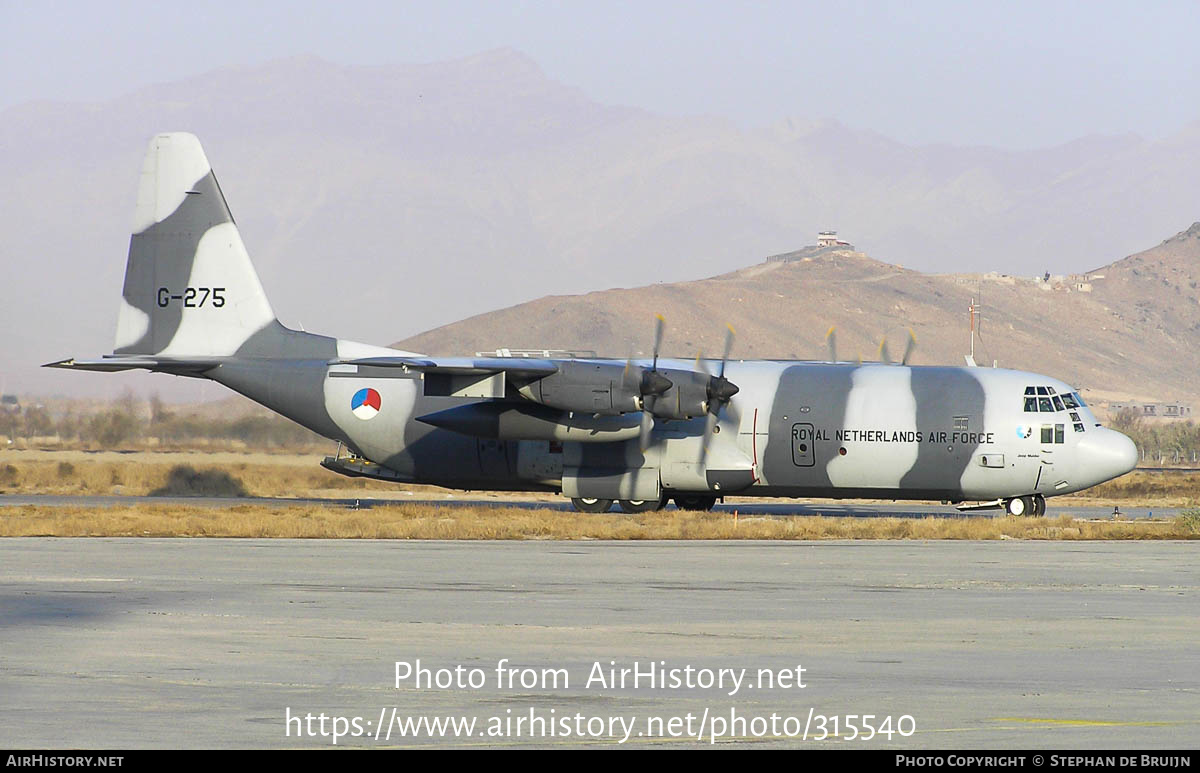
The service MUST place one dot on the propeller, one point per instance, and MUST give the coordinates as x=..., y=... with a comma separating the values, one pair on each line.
x=909, y=348
x=720, y=391
x=831, y=342
x=651, y=385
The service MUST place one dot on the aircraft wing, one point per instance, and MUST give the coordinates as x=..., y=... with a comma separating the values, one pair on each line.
x=461, y=366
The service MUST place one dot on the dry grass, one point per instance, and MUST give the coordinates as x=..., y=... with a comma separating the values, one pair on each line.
x=1158, y=489
x=140, y=473
x=300, y=475
x=505, y=523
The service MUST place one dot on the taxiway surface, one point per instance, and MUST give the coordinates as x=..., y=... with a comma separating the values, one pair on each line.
x=212, y=642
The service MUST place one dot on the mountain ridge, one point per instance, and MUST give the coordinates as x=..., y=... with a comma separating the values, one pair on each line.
x=1103, y=331
x=381, y=201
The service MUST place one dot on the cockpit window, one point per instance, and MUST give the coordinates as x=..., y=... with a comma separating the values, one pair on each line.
x=1045, y=399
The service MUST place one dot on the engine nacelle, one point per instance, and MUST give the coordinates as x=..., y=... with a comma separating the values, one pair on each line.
x=687, y=397
x=587, y=387
x=516, y=421
x=611, y=388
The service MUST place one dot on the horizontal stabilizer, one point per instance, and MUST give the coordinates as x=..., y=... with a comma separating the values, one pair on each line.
x=177, y=365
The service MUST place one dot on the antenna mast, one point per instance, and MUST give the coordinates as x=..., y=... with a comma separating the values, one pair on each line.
x=973, y=309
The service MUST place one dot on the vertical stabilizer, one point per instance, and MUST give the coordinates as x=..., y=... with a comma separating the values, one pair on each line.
x=190, y=288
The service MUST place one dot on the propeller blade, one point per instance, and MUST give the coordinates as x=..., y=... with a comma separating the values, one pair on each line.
x=710, y=423
x=728, y=348
x=912, y=345
x=883, y=352
x=659, y=323
x=647, y=426
x=831, y=342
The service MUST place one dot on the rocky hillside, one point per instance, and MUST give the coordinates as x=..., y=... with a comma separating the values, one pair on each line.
x=1128, y=330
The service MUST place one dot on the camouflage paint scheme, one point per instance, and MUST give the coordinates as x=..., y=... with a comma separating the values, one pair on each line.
x=192, y=305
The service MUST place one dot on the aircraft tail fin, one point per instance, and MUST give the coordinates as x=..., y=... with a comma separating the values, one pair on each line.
x=190, y=288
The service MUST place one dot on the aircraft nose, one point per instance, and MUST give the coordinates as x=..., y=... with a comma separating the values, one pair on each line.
x=1107, y=454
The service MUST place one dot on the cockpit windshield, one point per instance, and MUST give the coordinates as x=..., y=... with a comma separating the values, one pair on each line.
x=1045, y=399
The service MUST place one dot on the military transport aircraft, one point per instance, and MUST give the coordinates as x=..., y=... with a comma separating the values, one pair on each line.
x=636, y=432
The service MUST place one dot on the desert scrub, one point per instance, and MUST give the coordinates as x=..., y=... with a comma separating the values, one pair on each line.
x=1188, y=522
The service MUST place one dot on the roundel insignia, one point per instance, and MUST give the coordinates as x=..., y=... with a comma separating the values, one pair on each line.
x=1024, y=430
x=366, y=403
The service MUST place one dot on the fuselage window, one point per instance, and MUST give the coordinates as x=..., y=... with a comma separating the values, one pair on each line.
x=1030, y=391
x=1078, y=427
x=1044, y=405
x=1042, y=391
x=960, y=423
x=1047, y=433
x=1069, y=401
x=1059, y=433
x=1030, y=405
x=1058, y=404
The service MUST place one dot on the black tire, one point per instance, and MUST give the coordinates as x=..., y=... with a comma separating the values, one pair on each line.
x=1019, y=506
x=697, y=502
x=591, y=504
x=1039, y=505
x=632, y=506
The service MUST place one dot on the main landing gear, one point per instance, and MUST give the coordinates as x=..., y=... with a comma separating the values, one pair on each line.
x=1034, y=505
x=631, y=506
x=695, y=502
x=591, y=504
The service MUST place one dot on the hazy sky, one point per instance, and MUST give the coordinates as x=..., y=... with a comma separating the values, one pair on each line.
x=1015, y=74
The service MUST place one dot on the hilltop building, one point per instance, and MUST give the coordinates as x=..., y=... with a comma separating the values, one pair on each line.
x=829, y=239
x=827, y=244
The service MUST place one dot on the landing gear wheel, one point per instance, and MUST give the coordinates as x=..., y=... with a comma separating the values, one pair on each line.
x=1039, y=505
x=1019, y=506
x=695, y=502
x=591, y=504
x=632, y=506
